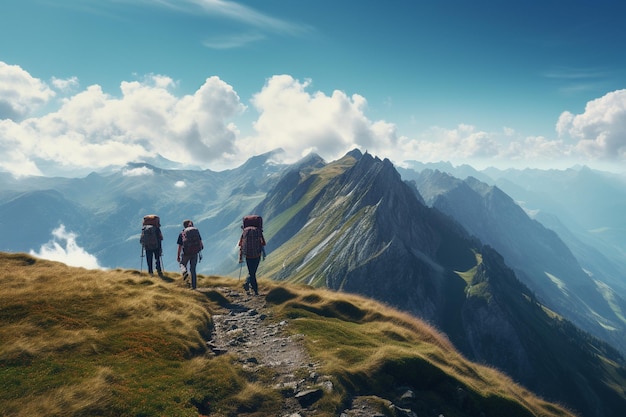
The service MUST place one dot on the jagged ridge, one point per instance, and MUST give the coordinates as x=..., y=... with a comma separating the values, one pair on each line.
x=357, y=227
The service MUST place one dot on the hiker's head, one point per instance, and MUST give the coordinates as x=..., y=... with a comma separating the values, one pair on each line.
x=187, y=223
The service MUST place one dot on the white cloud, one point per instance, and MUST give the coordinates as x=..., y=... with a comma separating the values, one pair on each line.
x=239, y=12
x=20, y=93
x=180, y=184
x=137, y=172
x=233, y=41
x=93, y=129
x=63, y=248
x=599, y=132
x=298, y=121
x=64, y=85
x=468, y=144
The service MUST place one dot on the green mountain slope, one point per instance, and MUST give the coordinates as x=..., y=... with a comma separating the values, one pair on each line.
x=77, y=342
x=353, y=225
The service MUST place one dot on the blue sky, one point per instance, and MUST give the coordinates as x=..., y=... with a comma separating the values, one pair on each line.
x=89, y=83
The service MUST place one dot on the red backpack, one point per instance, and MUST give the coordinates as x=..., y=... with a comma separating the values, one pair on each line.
x=252, y=240
x=192, y=243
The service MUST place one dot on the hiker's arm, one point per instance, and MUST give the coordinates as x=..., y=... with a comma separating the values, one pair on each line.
x=178, y=253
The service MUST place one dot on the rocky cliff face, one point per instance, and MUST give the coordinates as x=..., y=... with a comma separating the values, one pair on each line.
x=363, y=230
x=353, y=225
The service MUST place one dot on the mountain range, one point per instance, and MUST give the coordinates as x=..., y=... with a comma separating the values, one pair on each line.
x=461, y=254
x=538, y=256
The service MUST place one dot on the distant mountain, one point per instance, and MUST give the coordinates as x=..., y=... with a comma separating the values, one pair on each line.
x=592, y=199
x=538, y=256
x=106, y=210
x=353, y=225
x=589, y=205
x=31, y=216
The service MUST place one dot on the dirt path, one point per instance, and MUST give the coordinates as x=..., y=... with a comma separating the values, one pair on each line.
x=246, y=329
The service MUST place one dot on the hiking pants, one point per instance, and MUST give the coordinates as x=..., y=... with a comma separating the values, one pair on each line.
x=156, y=254
x=253, y=265
x=192, y=261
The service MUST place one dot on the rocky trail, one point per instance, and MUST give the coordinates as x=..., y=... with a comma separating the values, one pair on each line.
x=246, y=329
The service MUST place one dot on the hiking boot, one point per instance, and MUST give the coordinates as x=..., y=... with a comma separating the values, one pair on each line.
x=160, y=273
x=246, y=287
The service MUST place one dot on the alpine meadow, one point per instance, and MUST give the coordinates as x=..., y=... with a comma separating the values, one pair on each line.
x=121, y=343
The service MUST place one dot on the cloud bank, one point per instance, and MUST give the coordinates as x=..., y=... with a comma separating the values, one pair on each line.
x=63, y=248
x=90, y=129
x=599, y=132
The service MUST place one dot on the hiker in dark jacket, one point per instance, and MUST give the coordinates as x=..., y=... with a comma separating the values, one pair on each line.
x=251, y=247
x=152, y=247
x=189, y=247
x=156, y=254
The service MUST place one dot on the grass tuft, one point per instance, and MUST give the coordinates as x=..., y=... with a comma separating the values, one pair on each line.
x=279, y=295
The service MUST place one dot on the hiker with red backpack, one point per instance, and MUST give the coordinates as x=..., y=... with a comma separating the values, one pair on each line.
x=150, y=241
x=189, y=247
x=251, y=247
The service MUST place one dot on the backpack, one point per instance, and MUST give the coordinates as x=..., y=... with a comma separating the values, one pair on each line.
x=254, y=220
x=252, y=242
x=192, y=243
x=150, y=237
x=152, y=219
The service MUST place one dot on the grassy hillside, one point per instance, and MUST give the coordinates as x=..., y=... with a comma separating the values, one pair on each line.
x=76, y=342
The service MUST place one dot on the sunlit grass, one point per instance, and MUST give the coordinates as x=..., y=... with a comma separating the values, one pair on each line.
x=373, y=349
x=115, y=343
x=76, y=342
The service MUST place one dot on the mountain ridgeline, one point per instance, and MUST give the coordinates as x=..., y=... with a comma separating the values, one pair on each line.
x=354, y=225
x=460, y=254
x=538, y=256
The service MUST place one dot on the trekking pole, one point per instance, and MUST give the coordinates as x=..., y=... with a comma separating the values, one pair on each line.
x=240, y=269
x=141, y=265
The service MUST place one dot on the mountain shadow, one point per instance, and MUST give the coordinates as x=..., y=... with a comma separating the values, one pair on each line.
x=353, y=225
x=538, y=256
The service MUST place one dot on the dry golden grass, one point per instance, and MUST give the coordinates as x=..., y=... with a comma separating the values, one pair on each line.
x=112, y=343
x=76, y=342
x=372, y=348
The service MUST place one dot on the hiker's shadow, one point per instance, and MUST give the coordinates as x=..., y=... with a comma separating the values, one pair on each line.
x=167, y=279
x=225, y=302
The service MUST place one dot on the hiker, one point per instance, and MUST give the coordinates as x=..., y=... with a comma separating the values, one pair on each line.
x=150, y=241
x=189, y=247
x=251, y=247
